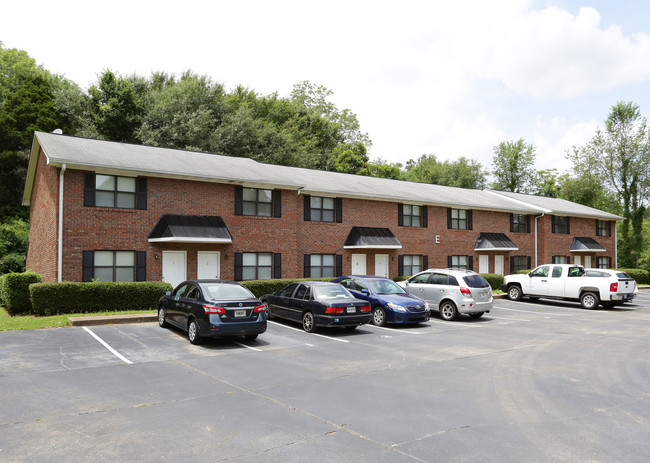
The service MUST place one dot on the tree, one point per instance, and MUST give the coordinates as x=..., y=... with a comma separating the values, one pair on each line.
x=463, y=173
x=619, y=156
x=14, y=234
x=117, y=104
x=513, y=163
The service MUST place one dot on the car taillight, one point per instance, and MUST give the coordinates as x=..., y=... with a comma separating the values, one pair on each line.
x=465, y=291
x=334, y=310
x=260, y=308
x=213, y=309
x=365, y=308
x=613, y=287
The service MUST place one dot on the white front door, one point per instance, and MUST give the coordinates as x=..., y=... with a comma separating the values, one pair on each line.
x=498, y=265
x=381, y=265
x=483, y=264
x=577, y=260
x=208, y=264
x=587, y=261
x=358, y=264
x=174, y=267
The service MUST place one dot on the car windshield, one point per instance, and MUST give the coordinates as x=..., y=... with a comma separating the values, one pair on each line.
x=386, y=287
x=225, y=291
x=331, y=292
x=476, y=281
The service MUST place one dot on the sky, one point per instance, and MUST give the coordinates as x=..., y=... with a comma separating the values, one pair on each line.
x=449, y=78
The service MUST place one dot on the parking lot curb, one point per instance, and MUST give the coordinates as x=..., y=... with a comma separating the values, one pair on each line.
x=112, y=319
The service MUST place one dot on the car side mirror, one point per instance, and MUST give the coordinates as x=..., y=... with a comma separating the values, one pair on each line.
x=365, y=291
x=168, y=293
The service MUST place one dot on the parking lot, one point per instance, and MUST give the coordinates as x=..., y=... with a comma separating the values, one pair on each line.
x=535, y=382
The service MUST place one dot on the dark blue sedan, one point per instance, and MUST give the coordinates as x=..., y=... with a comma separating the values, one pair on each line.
x=389, y=302
x=212, y=308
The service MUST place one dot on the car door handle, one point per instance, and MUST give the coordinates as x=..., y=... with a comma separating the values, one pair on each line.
x=544, y=281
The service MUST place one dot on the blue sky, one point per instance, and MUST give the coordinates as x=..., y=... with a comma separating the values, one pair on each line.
x=424, y=77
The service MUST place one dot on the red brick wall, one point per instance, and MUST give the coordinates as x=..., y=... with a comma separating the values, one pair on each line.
x=96, y=228
x=43, y=221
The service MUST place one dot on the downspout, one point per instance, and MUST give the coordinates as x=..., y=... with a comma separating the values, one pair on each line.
x=60, y=250
x=538, y=217
x=615, y=244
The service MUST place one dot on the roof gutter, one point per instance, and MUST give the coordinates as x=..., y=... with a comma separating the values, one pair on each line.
x=60, y=247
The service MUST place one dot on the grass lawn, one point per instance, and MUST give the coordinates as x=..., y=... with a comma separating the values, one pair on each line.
x=34, y=322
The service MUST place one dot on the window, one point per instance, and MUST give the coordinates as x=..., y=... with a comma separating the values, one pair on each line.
x=459, y=219
x=459, y=262
x=321, y=209
x=560, y=260
x=518, y=263
x=322, y=265
x=412, y=216
x=540, y=271
x=557, y=272
x=117, y=266
x=423, y=278
x=257, y=266
x=603, y=228
x=257, y=202
x=114, y=266
x=288, y=290
x=519, y=223
x=113, y=191
x=411, y=265
x=560, y=224
x=604, y=262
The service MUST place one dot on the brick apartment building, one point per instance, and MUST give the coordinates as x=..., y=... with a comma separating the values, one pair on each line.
x=120, y=212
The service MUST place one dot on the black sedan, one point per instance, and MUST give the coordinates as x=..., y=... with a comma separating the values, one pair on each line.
x=212, y=308
x=318, y=303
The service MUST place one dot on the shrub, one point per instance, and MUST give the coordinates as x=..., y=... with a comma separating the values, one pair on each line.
x=262, y=287
x=401, y=278
x=642, y=276
x=14, y=291
x=73, y=297
x=495, y=280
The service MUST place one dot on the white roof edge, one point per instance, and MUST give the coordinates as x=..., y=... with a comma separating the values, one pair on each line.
x=517, y=201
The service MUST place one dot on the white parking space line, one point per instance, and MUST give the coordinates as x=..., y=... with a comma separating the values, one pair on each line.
x=105, y=344
x=390, y=329
x=313, y=334
x=509, y=318
x=537, y=312
x=248, y=347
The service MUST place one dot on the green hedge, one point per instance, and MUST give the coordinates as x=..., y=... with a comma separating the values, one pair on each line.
x=641, y=276
x=72, y=297
x=495, y=280
x=262, y=287
x=14, y=291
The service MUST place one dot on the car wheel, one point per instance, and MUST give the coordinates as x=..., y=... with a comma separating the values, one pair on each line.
x=193, y=332
x=448, y=311
x=379, y=316
x=514, y=293
x=162, y=321
x=250, y=337
x=476, y=314
x=308, y=323
x=589, y=300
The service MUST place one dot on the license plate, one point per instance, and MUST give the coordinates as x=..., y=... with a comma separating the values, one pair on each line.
x=240, y=313
x=352, y=309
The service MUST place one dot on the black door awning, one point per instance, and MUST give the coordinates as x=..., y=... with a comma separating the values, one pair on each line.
x=585, y=244
x=494, y=242
x=371, y=238
x=173, y=228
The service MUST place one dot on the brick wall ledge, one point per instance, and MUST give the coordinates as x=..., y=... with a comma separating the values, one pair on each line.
x=113, y=319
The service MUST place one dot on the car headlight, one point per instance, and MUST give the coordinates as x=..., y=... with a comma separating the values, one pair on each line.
x=399, y=308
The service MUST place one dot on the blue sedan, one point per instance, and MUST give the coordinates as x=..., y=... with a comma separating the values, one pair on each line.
x=390, y=303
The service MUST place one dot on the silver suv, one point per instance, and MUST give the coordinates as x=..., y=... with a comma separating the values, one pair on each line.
x=451, y=291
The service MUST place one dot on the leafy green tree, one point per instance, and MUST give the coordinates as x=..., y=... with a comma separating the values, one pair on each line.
x=350, y=158
x=14, y=235
x=619, y=155
x=182, y=114
x=513, y=163
x=117, y=105
x=463, y=173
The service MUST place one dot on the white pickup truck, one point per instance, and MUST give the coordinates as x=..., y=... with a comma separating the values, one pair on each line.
x=562, y=281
